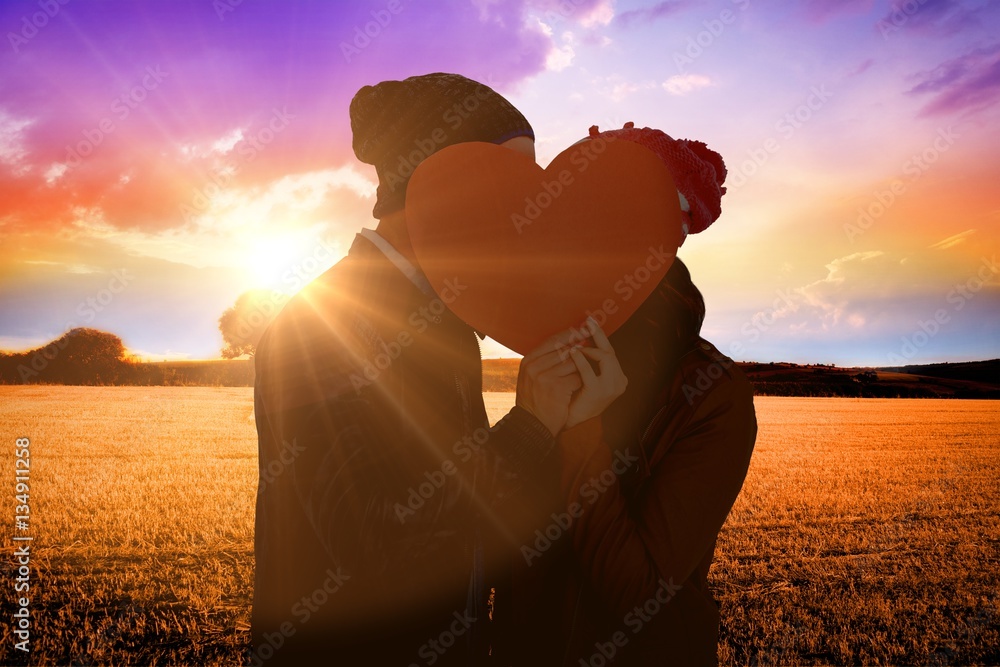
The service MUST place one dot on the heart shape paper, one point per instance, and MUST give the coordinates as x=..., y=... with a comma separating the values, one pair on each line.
x=531, y=252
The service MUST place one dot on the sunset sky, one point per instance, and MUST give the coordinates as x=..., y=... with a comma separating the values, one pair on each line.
x=176, y=154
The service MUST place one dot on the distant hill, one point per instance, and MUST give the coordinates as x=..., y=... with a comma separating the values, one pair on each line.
x=976, y=379
x=88, y=356
x=974, y=371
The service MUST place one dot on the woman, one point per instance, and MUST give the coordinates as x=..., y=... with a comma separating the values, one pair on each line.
x=647, y=484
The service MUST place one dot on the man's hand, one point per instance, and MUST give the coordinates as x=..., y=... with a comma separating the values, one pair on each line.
x=599, y=389
x=547, y=379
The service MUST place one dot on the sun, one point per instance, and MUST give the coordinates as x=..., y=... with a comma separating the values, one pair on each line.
x=288, y=261
x=268, y=257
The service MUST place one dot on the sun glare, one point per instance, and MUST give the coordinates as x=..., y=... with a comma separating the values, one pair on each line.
x=288, y=261
x=268, y=258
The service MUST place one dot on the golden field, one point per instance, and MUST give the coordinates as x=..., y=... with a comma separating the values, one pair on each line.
x=868, y=531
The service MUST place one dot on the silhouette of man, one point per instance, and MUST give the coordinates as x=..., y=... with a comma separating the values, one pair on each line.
x=382, y=485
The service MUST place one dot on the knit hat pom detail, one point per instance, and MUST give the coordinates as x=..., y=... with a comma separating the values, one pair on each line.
x=698, y=171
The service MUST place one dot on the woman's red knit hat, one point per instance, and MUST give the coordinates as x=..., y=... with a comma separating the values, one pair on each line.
x=698, y=171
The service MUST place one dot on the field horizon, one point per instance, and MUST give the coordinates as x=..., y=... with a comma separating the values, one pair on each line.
x=866, y=532
x=102, y=361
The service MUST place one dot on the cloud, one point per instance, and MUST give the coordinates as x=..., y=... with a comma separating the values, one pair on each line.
x=682, y=84
x=12, y=142
x=821, y=11
x=601, y=13
x=559, y=57
x=85, y=86
x=623, y=89
x=238, y=220
x=69, y=268
x=588, y=13
x=861, y=68
x=649, y=14
x=931, y=17
x=884, y=294
x=827, y=297
x=219, y=146
x=970, y=82
x=165, y=306
x=953, y=241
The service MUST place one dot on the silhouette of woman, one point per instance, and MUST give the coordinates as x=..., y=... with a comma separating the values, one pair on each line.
x=648, y=483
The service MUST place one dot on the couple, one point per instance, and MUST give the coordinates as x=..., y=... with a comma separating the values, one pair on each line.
x=395, y=527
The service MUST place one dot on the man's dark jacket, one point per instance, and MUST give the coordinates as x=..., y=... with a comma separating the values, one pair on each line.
x=382, y=489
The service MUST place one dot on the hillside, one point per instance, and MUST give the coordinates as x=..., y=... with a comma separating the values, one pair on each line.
x=91, y=357
x=978, y=379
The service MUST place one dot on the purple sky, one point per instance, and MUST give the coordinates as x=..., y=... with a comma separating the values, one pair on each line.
x=205, y=148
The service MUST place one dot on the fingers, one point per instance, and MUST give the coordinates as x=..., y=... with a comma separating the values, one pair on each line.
x=554, y=374
x=597, y=333
x=560, y=355
x=553, y=361
x=587, y=374
x=556, y=343
x=559, y=381
x=572, y=336
x=607, y=364
x=573, y=382
x=598, y=355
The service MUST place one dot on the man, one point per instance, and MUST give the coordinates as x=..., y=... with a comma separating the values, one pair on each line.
x=382, y=487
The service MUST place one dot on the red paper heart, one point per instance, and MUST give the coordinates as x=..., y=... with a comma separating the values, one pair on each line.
x=539, y=250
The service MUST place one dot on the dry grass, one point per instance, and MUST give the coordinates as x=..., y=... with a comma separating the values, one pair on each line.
x=142, y=512
x=867, y=531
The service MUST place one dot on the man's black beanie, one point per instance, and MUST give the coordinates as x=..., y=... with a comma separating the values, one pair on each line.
x=397, y=124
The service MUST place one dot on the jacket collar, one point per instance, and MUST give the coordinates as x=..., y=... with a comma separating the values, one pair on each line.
x=404, y=265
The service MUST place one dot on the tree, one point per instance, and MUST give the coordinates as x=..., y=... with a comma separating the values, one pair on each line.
x=244, y=323
x=79, y=356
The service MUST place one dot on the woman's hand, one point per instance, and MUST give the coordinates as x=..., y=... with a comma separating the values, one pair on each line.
x=599, y=389
x=547, y=380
